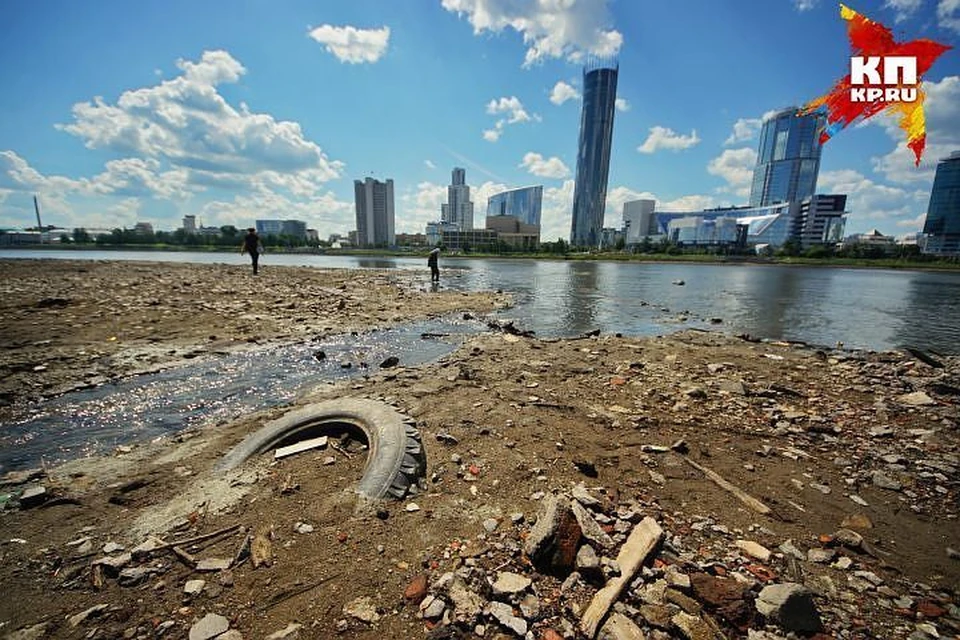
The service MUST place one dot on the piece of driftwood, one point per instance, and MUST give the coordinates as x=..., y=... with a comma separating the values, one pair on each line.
x=643, y=540
x=741, y=495
x=190, y=541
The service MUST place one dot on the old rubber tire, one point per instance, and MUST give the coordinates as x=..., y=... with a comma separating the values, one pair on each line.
x=396, y=460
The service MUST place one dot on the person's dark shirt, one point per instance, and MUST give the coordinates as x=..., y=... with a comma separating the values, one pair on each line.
x=432, y=260
x=251, y=242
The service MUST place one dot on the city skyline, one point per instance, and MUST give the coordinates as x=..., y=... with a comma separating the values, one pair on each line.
x=120, y=114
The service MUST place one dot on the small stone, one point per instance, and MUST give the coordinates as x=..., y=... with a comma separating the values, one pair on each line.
x=417, y=589
x=362, y=609
x=790, y=549
x=581, y=495
x=503, y=613
x=193, y=587
x=327, y=461
x=290, y=632
x=209, y=626
x=848, y=538
x=884, y=481
x=860, y=501
x=821, y=556
x=843, y=563
x=916, y=399
x=791, y=606
x=112, y=547
x=490, y=525
x=33, y=496
x=517, y=518
x=411, y=507
x=303, y=527
x=508, y=583
x=530, y=606
x=620, y=627
x=214, y=564
x=754, y=550
x=693, y=627
x=433, y=607
x=133, y=576
x=92, y=612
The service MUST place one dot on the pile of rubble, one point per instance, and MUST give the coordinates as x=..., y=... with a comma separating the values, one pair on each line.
x=588, y=569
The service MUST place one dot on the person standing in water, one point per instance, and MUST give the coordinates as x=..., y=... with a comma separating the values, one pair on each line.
x=432, y=262
x=252, y=245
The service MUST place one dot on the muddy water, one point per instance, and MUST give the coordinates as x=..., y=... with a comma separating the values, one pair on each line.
x=211, y=391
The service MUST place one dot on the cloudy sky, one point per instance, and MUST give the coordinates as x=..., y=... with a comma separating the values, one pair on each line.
x=115, y=112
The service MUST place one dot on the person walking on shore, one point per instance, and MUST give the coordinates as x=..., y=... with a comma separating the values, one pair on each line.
x=432, y=262
x=252, y=245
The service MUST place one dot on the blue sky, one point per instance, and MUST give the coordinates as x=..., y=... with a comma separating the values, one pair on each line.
x=115, y=112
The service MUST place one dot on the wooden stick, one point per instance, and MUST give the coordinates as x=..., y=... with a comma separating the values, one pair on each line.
x=190, y=541
x=743, y=496
x=642, y=541
x=185, y=557
x=283, y=596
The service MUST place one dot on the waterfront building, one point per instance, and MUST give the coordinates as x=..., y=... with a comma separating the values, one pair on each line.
x=435, y=230
x=293, y=228
x=458, y=209
x=872, y=238
x=143, y=228
x=375, y=215
x=638, y=222
x=524, y=203
x=609, y=237
x=942, y=225
x=593, y=152
x=820, y=220
x=190, y=224
x=788, y=158
x=771, y=225
x=514, y=232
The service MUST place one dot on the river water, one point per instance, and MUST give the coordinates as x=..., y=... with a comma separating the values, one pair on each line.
x=862, y=308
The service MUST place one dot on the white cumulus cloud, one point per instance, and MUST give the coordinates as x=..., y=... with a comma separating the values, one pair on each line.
x=562, y=92
x=514, y=111
x=544, y=167
x=664, y=138
x=621, y=104
x=353, y=45
x=747, y=128
x=736, y=167
x=903, y=8
x=567, y=29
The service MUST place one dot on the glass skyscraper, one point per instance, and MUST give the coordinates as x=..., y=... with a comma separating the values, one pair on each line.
x=524, y=203
x=788, y=159
x=593, y=155
x=943, y=212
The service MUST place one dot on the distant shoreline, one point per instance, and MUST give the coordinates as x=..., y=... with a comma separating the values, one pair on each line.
x=657, y=258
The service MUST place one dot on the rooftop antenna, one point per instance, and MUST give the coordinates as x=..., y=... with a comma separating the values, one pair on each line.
x=36, y=207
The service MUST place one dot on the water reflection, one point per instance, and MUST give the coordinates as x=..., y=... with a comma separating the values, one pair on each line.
x=867, y=308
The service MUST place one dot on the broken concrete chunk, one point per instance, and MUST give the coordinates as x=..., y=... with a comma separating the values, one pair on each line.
x=92, y=612
x=590, y=528
x=362, y=609
x=503, y=613
x=620, y=627
x=214, y=564
x=791, y=606
x=508, y=583
x=209, y=626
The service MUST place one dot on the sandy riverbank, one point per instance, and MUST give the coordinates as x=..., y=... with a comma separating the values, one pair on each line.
x=828, y=441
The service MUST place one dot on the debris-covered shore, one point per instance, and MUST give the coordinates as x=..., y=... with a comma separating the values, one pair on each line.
x=695, y=485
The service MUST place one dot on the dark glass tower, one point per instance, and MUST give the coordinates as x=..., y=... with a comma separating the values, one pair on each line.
x=943, y=212
x=788, y=159
x=593, y=155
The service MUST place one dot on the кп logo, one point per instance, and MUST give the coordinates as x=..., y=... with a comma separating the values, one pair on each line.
x=897, y=72
x=884, y=76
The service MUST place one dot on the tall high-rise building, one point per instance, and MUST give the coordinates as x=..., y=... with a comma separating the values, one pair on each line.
x=593, y=154
x=459, y=209
x=788, y=159
x=943, y=212
x=375, y=218
x=189, y=224
x=524, y=203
